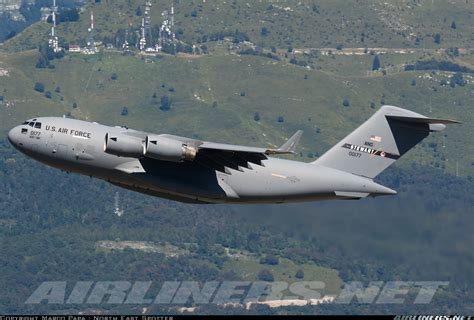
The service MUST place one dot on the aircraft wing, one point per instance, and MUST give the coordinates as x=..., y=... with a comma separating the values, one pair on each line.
x=220, y=156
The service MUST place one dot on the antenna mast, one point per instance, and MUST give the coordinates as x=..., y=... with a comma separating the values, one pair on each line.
x=91, y=48
x=53, y=41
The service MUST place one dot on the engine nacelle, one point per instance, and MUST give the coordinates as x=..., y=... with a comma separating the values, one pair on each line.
x=123, y=145
x=166, y=149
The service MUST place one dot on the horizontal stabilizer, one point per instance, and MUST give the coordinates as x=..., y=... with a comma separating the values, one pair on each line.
x=421, y=120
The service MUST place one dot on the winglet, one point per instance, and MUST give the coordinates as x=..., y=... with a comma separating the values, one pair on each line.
x=289, y=146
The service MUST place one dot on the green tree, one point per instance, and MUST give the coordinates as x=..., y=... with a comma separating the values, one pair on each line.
x=376, y=63
x=165, y=103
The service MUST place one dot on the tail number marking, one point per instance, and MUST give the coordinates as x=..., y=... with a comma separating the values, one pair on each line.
x=355, y=154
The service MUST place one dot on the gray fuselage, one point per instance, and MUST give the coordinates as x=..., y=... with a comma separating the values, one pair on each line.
x=78, y=146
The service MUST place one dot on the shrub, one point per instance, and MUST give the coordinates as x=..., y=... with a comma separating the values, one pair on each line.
x=269, y=259
x=39, y=87
x=256, y=116
x=299, y=274
x=438, y=65
x=457, y=79
x=265, y=275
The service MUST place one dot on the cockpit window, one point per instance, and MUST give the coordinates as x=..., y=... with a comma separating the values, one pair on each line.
x=38, y=125
x=31, y=124
x=26, y=122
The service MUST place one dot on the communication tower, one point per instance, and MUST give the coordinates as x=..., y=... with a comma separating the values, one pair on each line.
x=146, y=38
x=126, y=44
x=167, y=36
x=53, y=40
x=91, y=48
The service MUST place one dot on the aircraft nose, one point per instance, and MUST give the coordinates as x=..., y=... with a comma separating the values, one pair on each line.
x=12, y=135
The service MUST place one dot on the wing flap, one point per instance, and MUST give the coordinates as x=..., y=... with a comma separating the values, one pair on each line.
x=221, y=156
x=220, y=160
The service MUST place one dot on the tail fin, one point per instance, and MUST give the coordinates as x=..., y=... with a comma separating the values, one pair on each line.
x=380, y=141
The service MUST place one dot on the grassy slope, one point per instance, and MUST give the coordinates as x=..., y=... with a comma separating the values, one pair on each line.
x=392, y=24
x=271, y=88
x=285, y=271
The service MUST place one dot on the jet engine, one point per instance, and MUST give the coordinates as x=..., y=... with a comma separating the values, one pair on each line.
x=166, y=149
x=123, y=145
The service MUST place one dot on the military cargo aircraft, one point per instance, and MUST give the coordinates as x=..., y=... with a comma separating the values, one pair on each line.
x=195, y=171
